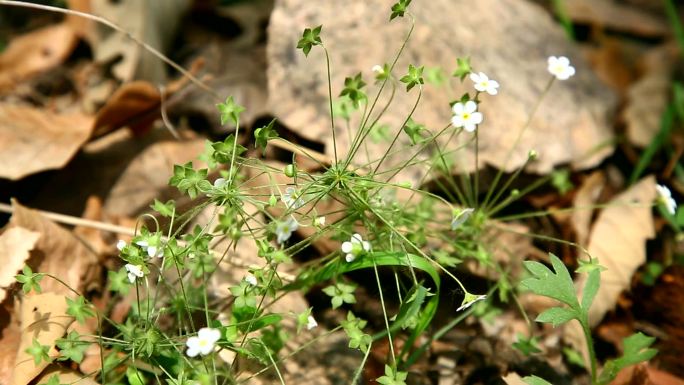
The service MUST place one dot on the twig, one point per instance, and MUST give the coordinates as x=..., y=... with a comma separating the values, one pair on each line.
x=115, y=27
x=104, y=226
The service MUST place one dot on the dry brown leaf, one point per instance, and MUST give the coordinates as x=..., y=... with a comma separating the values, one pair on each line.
x=33, y=140
x=134, y=104
x=647, y=98
x=615, y=15
x=618, y=242
x=15, y=244
x=569, y=124
x=644, y=374
x=44, y=318
x=35, y=52
x=587, y=196
x=146, y=177
x=57, y=252
x=10, y=336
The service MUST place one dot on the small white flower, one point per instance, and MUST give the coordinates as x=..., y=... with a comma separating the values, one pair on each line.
x=292, y=198
x=219, y=182
x=311, y=322
x=469, y=300
x=560, y=67
x=203, y=343
x=354, y=247
x=466, y=116
x=461, y=217
x=378, y=69
x=319, y=221
x=134, y=272
x=121, y=244
x=251, y=279
x=285, y=229
x=665, y=197
x=152, y=251
x=484, y=84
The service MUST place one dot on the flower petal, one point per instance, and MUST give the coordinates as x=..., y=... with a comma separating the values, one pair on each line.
x=470, y=106
x=347, y=247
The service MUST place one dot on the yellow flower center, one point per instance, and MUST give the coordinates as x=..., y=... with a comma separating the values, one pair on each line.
x=466, y=116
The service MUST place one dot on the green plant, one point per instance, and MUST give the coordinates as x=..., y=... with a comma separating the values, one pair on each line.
x=558, y=284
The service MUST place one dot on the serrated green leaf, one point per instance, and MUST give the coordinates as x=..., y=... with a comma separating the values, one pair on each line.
x=590, y=289
x=636, y=349
x=557, y=316
x=557, y=285
x=534, y=380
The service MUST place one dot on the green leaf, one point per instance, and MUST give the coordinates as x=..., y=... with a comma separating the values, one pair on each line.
x=164, y=209
x=310, y=38
x=463, y=68
x=225, y=151
x=352, y=89
x=340, y=293
x=534, y=380
x=79, y=309
x=230, y=111
x=557, y=285
x=527, y=346
x=413, y=78
x=636, y=349
x=29, y=280
x=38, y=352
x=590, y=289
x=263, y=134
x=399, y=8
x=72, y=348
x=557, y=316
x=413, y=130
x=189, y=180
x=392, y=377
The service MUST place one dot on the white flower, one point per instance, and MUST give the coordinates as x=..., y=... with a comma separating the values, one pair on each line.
x=354, y=247
x=319, y=221
x=219, y=182
x=469, y=300
x=203, y=343
x=311, y=322
x=251, y=279
x=121, y=244
x=292, y=198
x=665, y=197
x=134, y=272
x=461, y=217
x=151, y=250
x=284, y=229
x=560, y=67
x=466, y=116
x=484, y=84
x=378, y=69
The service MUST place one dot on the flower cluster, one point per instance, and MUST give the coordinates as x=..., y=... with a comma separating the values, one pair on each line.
x=355, y=247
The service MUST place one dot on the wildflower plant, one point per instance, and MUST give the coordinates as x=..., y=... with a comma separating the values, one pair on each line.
x=180, y=327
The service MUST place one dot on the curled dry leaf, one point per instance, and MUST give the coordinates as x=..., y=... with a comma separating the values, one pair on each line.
x=57, y=252
x=33, y=140
x=35, y=52
x=44, y=318
x=15, y=244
